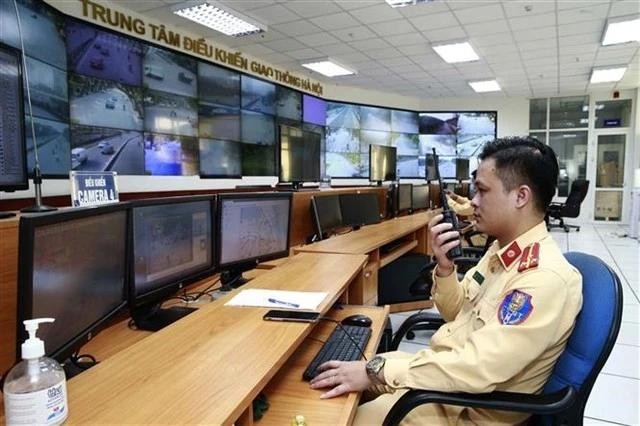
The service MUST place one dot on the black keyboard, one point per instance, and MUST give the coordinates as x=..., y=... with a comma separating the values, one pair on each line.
x=339, y=347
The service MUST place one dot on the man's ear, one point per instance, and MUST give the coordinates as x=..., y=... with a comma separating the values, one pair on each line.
x=524, y=196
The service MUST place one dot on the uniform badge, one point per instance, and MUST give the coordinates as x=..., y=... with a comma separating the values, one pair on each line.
x=515, y=308
x=530, y=257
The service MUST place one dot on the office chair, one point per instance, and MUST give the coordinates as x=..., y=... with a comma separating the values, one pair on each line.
x=570, y=208
x=565, y=394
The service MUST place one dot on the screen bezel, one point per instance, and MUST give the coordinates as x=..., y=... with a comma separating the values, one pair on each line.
x=27, y=228
x=246, y=263
x=24, y=184
x=170, y=285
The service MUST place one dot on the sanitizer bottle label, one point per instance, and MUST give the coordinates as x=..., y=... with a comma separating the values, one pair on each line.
x=44, y=407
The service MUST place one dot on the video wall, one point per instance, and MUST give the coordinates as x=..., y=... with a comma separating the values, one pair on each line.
x=105, y=101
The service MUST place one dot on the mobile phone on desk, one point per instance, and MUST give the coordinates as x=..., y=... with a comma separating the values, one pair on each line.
x=296, y=316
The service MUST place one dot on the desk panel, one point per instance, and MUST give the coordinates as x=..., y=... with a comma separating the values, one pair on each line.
x=210, y=365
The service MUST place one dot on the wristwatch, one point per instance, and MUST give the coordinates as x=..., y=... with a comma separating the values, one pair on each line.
x=373, y=367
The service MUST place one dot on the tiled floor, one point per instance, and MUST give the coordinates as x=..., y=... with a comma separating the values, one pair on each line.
x=615, y=398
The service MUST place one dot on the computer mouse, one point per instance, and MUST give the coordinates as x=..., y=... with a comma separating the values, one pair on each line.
x=357, y=320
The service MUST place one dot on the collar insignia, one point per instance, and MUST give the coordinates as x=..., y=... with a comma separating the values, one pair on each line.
x=478, y=277
x=511, y=253
x=530, y=257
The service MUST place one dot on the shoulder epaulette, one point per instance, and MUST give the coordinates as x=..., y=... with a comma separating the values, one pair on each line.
x=530, y=257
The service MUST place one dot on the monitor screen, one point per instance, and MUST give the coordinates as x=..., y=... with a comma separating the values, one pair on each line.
x=299, y=155
x=258, y=95
x=373, y=118
x=55, y=155
x=420, y=197
x=404, y=121
x=73, y=267
x=405, y=196
x=314, y=110
x=326, y=213
x=382, y=163
x=168, y=71
x=169, y=113
x=462, y=168
x=103, y=149
x=48, y=89
x=258, y=128
x=13, y=155
x=218, y=85
x=447, y=166
x=288, y=103
x=218, y=122
x=370, y=207
x=252, y=227
x=172, y=242
x=445, y=123
x=168, y=155
x=220, y=158
x=343, y=115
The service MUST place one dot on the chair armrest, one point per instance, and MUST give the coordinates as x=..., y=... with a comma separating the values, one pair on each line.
x=429, y=319
x=503, y=401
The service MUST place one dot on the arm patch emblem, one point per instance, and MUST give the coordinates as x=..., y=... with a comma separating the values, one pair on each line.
x=515, y=308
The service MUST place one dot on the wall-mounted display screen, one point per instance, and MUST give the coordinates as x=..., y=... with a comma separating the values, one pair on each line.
x=258, y=160
x=314, y=110
x=406, y=143
x=220, y=158
x=447, y=166
x=49, y=92
x=218, y=85
x=471, y=145
x=169, y=72
x=258, y=95
x=218, y=122
x=477, y=123
x=341, y=115
x=103, y=149
x=169, y=113
x=54, y=152
x=444, y=123
x=444, y=144
x=404, y=121
x=103, y=54
x=288, y=103
x=105, y=103
x=342, y=140
x=258, y=128
x=373, y=137
x=42, y=30
x=374, y=118
x=170, y=155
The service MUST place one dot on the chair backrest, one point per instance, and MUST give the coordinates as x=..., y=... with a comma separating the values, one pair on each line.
x=595, y=332
x=576, y=196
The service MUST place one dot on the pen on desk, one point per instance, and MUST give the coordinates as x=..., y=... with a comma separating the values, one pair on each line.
x=281, y=302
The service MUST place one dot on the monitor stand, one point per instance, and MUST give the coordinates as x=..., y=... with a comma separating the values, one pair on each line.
x=72, y=369
x=156, y=318
x=231, y=279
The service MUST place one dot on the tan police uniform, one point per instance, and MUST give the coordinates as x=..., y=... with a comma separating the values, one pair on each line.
x=461, y=206
x=507, y=323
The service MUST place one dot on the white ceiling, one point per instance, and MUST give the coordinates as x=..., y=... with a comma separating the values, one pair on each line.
x=534, y=48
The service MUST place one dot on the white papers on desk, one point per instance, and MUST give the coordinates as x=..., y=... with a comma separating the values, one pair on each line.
x=278, y=299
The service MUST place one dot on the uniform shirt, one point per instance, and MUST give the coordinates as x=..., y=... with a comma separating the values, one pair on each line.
x=461, y=207
x=507, y=323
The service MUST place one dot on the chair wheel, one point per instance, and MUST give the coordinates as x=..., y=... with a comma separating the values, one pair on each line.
x=411, y=335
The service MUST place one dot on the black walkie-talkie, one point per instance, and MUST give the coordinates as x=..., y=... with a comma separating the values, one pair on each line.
x=448, y=214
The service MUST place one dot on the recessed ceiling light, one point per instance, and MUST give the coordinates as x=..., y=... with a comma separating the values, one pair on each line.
x=607, y=75
x=402, y=3
x=485, y=86
x=456, y=52
x=328, y=67
x=219, y=18
x=622, y=30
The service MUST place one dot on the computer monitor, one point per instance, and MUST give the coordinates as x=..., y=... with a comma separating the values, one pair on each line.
x=299, y=156
x=430, y=170
x=13, y=151
x=405, y=193
x=420, y=197
x=382, y=163
x=370, y=207
x=462, y=169
x=326, y=213
x=172, y=246
x=251, y=228
x=73, y=268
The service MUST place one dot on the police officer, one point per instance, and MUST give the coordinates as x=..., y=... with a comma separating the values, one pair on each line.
x=508, y=320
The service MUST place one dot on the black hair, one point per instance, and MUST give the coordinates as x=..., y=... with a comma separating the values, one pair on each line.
x=525, y=161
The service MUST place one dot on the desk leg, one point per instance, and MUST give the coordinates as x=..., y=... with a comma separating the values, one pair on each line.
x=246, y=418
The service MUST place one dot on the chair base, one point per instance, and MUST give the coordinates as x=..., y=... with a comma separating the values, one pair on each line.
x=561, y=224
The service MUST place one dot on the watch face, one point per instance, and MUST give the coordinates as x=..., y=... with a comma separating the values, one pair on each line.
x=375, y=365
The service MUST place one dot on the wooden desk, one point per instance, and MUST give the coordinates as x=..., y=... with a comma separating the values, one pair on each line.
x=209, y=366
x=410, y=232
x=289, y=395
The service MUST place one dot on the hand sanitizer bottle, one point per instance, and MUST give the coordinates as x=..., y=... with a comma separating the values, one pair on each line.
x=35, y=390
